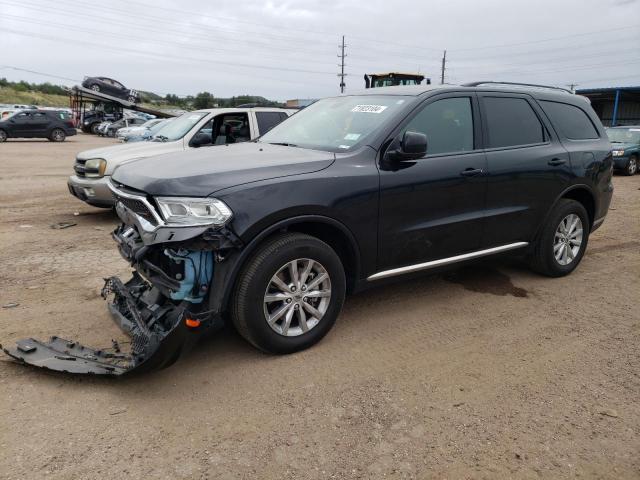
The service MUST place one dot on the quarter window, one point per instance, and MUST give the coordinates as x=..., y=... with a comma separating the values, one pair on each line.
x=572, y=121
x=448, y=125
x=268, y=120
x=511, y=122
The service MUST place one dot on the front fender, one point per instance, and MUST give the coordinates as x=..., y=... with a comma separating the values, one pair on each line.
x=228, y=270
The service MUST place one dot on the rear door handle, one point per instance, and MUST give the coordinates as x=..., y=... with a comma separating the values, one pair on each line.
x=557, y=161
x=471, y=172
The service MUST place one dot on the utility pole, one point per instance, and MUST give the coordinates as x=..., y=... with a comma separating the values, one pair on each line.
x=342, y=74
x=572, y=87
x=444, y=62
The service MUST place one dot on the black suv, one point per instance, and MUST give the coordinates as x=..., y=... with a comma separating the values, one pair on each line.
x=51, y=124
x=351, y=190
x=111, y=87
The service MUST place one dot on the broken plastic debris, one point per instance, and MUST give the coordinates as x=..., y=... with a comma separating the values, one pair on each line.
x=61, y=225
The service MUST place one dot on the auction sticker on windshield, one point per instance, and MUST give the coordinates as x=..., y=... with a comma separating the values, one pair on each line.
x=369, y=108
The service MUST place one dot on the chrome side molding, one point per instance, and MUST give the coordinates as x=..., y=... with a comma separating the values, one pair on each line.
x=445, y=261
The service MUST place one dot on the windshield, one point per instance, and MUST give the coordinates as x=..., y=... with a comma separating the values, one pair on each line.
x=336, y=124
x=178, y=127
x=156, y=128
x=624, y=135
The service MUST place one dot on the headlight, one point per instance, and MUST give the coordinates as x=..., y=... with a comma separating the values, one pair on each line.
x=95, y=168
x=617, y=153
x=194, y=211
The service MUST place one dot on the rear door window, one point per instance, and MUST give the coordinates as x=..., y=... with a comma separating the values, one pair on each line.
x=268, y=120
x=511, y=122
x=572, y=121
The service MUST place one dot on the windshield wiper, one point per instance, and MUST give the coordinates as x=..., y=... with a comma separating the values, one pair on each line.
x=284, y=144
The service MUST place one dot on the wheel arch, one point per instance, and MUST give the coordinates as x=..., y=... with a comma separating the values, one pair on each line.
x=581, y=193
x=327, y=229
x=584, y=195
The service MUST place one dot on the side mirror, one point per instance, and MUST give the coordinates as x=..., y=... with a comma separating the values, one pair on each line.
x=200, y=139
x=412, y=146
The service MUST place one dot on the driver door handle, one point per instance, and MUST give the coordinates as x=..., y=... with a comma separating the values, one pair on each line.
x=554, y=162
x=471, y=172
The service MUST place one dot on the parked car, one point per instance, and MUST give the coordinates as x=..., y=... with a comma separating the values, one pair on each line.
x=111, y=87
x=143, y=132
x=102, y=127
x=350, y=191
x=93, y=119
x=218, y=126
x=51, y=124
x=126, y=122
x=626, y=148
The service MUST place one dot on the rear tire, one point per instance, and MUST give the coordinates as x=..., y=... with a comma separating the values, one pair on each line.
x=95, y=87
x=3, y=136
x=57, y=135
x=275, y=314
x=562, y=242
x=632, y=166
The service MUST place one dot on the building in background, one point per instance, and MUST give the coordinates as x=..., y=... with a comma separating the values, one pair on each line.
x=615, y=105
x=300, y=102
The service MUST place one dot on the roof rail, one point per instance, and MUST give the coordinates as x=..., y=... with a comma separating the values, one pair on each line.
x=490, y=82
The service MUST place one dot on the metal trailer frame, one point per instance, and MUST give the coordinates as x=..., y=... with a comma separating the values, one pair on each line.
x=80, y=97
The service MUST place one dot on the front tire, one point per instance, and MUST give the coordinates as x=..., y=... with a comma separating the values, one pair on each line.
x=95, y=88
x=632, y=166
x=562, y=242
x=289, y=294
x=57, y=135
x=3, y=136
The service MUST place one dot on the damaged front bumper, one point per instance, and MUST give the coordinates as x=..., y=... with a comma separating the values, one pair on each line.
x=163, y=308
x=159, y=333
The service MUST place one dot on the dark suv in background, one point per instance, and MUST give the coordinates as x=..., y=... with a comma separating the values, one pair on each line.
x=53, y=125
x=273, y=233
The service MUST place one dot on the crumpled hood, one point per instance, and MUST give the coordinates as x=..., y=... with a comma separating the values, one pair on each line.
x=202, y=171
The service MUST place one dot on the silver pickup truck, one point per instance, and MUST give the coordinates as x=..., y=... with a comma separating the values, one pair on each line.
x=217, y=126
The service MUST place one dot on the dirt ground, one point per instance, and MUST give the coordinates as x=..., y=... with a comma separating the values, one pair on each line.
x=487, y=372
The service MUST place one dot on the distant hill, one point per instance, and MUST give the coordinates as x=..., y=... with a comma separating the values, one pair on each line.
x=48, y=95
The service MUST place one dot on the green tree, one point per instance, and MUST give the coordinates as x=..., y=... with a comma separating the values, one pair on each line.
x=203, y=100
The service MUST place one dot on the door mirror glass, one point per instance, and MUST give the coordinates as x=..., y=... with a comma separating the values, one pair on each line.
x=414, y=145
x=200, y=139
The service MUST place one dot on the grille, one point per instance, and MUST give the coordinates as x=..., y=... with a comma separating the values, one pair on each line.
x=138, y=207
x=79, y=168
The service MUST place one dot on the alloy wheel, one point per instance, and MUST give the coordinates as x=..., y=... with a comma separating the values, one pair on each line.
x=568, y=239
x=3, y=135
x=632, y=166
x=58, y=135
x=297, y=297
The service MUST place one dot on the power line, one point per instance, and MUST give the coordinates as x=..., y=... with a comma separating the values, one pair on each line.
x=164, y=55
x=563, y=37
x=10, y=67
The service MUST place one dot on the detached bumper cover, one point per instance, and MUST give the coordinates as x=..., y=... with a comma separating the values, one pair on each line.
x=158, y=332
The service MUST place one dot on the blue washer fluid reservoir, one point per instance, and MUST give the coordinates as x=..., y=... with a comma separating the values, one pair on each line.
x=198, y=272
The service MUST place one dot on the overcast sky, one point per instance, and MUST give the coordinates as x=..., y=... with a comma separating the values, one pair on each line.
x=289, y=49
